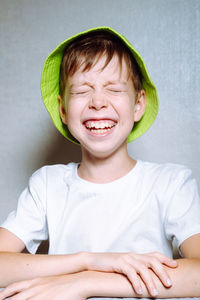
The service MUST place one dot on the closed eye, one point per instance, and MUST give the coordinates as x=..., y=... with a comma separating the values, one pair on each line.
x=115, y=91
x=79, y=92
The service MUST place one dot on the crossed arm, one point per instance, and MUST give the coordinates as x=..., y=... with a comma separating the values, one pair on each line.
x=74, y=276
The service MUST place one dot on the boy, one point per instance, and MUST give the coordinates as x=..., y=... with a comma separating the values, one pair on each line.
x=110, y=220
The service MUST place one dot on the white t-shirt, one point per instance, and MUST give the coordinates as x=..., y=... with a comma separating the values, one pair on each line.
x=144, y=211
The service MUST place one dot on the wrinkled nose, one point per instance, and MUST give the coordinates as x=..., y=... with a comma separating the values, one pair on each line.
x=98, y=101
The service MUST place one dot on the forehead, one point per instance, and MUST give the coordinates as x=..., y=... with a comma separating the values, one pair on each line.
x=115, y=70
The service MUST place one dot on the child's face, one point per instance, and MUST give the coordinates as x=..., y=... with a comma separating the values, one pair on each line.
x=99, y=107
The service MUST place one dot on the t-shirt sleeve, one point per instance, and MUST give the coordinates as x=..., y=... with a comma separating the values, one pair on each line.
x=28, y=221
x=183, y=209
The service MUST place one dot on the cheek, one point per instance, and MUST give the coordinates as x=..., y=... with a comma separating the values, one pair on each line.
x=73, y=116
x=129, y=116
x=70, y=110
x=127, y=109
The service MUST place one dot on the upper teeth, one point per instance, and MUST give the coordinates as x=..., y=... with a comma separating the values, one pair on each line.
x=92, y=124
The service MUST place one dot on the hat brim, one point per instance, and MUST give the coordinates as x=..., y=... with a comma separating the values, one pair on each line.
x=50, y=86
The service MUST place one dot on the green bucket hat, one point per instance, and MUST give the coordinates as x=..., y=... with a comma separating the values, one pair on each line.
x=50, y=86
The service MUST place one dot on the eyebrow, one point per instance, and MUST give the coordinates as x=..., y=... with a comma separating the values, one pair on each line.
x=80, y=84
x=106, y=84
x=116, y=82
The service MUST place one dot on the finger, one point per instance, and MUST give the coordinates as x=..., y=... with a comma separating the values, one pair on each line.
x=134, y=279
x=147, y=278
x=26, y=294
x=145, y=274
x=19, y=296
x=13, y=289
x=162, y=274
x=170, y=262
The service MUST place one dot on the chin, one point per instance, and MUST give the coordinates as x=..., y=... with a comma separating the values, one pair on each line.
x=101, y=151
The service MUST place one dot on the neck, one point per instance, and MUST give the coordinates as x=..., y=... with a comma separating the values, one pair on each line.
x=105, y=169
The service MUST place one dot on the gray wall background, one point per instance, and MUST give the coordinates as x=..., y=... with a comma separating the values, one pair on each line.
x=165, y=32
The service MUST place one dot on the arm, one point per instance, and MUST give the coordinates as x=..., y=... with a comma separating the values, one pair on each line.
x=17, y=266
x=82, y=285
x=107, y=280
x=33, y=266
x=185, y=278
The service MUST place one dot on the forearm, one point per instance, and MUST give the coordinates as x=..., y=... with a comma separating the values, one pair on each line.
x=19, y=266
x=185, y=283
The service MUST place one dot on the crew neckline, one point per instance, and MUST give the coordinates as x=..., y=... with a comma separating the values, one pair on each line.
x=107, y=184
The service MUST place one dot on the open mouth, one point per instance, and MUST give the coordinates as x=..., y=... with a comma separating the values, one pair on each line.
x=99, y=126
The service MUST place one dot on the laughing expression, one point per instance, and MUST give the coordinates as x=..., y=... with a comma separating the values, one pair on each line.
x=99, y=107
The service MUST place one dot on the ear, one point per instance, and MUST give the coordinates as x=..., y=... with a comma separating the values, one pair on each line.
x=62, y=110
x=140, y=105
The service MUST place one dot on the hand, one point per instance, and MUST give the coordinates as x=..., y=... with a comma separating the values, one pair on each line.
x=65, y=287
x=136, y=267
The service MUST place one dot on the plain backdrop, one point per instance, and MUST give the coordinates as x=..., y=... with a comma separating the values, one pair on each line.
x=165, y=32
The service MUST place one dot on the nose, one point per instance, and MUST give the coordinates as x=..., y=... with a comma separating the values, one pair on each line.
x=98, y=100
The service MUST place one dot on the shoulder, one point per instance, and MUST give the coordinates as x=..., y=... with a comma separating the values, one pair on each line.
x=165, y=170
x=165, y=177
x=52, y=174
